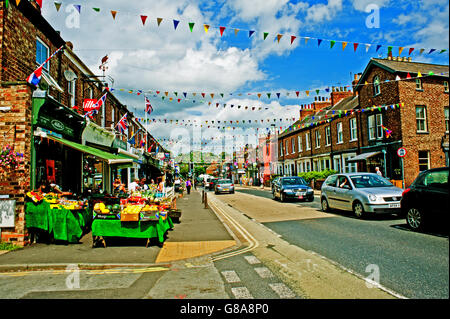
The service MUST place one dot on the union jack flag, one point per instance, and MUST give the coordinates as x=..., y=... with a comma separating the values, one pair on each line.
x=100, y=102
x=148, y=106
x=123, y=124
x=91, y=114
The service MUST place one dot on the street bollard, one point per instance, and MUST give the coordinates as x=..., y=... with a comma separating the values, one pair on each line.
x=203, y=196
x=206, y=200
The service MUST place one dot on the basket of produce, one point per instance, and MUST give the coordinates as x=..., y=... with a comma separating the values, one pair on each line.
x=131, y=213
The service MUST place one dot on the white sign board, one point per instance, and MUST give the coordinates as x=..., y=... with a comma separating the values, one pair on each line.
x=7, y=212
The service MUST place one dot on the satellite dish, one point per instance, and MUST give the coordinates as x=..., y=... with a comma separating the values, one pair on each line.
x=70, y=75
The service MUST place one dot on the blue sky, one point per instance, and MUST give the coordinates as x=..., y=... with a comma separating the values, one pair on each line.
x=161, y=58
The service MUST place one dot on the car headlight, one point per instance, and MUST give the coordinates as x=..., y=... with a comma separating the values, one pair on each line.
x=373, y=198
x=288, y=190
x=310, y=190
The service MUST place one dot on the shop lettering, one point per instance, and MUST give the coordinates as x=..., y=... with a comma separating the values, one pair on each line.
x=191, y=309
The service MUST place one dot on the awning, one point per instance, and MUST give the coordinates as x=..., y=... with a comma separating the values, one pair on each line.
x=363, y=156
x=108, y=157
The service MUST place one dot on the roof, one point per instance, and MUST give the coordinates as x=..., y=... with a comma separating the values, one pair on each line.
x=404, y=67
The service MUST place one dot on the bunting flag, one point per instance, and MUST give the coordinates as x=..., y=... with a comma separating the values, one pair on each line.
x=265, y=35
x=206, y=26
x=250, y=33
x=293, y=37
x=148, y=106
x=236, y=32
x=96, y=9
x=410, y=51
x=114, y=14
x=57, y=5
x=159, y=20
x=344, y=44
x=306, y=40
x=222, y=29
x=421, y=51
x=332, y=43
x=279, y=36
x=355, y=46
x=378, y=47
x=431, y=51
x=175, y=24
x=191, y=25
x=389, y=50
x=143, y=19
x=319, y=41
x=400, y=50
x=78, y=7
x=368, y=47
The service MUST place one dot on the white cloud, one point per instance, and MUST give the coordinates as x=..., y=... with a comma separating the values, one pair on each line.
x=324, y=12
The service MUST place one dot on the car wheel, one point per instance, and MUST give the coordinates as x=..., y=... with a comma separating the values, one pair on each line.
x=358, y=210
x=414, y=219
x=324, y=203
x=282, y=197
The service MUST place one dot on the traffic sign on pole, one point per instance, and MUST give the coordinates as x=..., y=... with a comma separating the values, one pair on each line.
x=401, y=152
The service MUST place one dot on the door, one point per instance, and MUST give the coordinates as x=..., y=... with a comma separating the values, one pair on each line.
x=343, y=193
x=433, y=193
x=329, y=188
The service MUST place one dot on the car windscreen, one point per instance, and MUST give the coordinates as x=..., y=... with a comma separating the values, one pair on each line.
x=365, y=181
x=293, y=181
x=224, y=181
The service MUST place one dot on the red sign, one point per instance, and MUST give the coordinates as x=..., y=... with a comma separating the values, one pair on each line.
x=401, y=152
x=88, y=105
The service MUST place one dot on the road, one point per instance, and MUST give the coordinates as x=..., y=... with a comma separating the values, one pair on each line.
x=412, y=264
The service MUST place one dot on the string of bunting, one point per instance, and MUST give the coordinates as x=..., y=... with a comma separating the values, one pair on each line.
x=143, y=19
x=183, y=96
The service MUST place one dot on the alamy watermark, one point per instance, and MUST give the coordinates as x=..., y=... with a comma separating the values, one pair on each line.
x=73, y=279
x=373, y=19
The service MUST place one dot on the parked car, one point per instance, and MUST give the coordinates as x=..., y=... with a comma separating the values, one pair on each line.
x=212, y=183
x=224, y=185
x=292, y=187
x=426, y=200
x=362, y=193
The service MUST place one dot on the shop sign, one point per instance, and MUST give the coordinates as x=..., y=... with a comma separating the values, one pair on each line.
x=88, y=105
x=95, y=134
x=119, y=144
x=55, y=125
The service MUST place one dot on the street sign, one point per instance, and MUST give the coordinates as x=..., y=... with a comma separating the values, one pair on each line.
x=401, y=152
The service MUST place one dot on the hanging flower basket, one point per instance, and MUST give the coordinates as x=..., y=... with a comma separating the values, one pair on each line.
x=9, y=160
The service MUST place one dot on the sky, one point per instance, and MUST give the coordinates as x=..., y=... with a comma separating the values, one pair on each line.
x=159, y=58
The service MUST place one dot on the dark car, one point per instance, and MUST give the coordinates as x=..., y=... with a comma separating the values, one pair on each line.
x=212, y=183
x=292, y=187
x=426, y=200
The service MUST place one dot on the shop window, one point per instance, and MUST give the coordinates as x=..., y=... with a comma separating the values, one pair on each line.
x=424, y=160
x=421, y=119
x=42, y=54
x=340, y=135
x=376, y=85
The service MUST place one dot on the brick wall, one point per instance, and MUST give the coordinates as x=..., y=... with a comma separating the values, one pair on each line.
x=15, y=130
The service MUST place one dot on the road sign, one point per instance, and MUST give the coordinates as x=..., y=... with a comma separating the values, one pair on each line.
x=401, y=152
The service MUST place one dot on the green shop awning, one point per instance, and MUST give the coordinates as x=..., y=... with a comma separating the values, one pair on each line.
x=108, y=157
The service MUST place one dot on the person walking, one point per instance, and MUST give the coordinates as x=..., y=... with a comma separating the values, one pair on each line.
x=262, y=182
x=188, y=186
x=378, y=172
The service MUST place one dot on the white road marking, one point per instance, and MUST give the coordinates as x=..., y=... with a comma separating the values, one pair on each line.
x=241, y=293
x=231, y=276
x=264, y=272
x=252, y=260
x=282, y=290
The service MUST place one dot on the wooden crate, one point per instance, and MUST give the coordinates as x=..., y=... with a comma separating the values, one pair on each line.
x=129, y=217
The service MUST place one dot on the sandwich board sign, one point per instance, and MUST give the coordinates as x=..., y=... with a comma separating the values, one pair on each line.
x=7, y=213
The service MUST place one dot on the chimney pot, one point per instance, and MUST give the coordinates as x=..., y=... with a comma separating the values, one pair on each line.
x=409, y=59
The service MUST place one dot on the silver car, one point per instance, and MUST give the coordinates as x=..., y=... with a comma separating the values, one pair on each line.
x=224, y=186
x=362, y=193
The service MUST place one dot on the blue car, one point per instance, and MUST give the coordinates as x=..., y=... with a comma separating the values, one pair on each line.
x=292, y=187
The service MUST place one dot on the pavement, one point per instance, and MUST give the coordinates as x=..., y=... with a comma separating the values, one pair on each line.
x=199, y=233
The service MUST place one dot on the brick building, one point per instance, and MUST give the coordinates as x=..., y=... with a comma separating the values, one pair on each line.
x=348, y=134
x=47, y=124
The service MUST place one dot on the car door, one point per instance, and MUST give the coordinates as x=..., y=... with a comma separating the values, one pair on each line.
x=343, y=193
x=434, y=192
x=329, y=189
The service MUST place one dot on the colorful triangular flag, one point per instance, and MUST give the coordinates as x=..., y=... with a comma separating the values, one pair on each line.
x=159, y=20
x=332, y=43
x=143, y=19
x=206, y=26
x=113, y=13
x=250, y=33
x=265, y=35
x=279, y=36
x=410, y=51
x=78, y=7
x=175, y=24
x=222, y=29
x=355, y=46
x=293, y=37
x=344, y=44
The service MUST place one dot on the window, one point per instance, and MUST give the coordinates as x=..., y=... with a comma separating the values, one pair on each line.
x=42, y=54
x=300, y=147
x=376, y=85
x=281, y=149
x=445, y=86
x=317, y=139
x=419, y=85
x=287, y=147
x=331, y=181
x=371, y=126
x=421, y=118
x=337, y=164
x=446, y=113
x=327, y=136
x=437, y=179
x=308, y=167
x=308, y=147
x=353, y=131
x=71, y=89
x=424, y=160
x=293, y=145
x=379, y=118
x=350, y=167
x=340, y=138
x=316, y=165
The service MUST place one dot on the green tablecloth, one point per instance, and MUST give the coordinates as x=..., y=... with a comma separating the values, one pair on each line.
x=117, y=228
x=63, y=224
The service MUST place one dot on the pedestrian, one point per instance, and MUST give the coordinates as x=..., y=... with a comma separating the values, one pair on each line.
x=251, y=181
x=262, y=182
x=378, y=172
x=134, y=186
x=188, y=186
